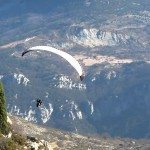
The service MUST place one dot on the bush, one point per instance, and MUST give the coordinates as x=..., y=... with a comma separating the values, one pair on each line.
x=1, y=136
x=19, y=139
x=7, y=144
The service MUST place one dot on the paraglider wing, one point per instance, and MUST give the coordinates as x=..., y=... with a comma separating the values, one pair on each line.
x=25, y=52
x=63, y=54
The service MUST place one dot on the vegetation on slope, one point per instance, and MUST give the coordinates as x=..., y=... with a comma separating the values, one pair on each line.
x=16, y=140
x=4, y=126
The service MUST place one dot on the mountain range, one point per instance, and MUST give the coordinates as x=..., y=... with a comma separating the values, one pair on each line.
x=109, y=38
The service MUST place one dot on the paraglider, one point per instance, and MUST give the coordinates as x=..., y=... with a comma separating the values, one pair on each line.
x=63, y=54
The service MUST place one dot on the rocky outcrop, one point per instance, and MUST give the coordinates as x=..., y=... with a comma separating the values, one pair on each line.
x=9, y=120
x=36, y=144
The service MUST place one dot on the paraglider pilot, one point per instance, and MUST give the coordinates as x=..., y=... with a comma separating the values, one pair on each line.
x=38, y=102
x=81, y=77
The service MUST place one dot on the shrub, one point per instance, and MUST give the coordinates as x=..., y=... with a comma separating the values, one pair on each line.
x=7, y=144
x=18, y=138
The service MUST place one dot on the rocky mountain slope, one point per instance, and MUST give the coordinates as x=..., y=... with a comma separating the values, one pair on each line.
x=111, y=41
x=60, y=140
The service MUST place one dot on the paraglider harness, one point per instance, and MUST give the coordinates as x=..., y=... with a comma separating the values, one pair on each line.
x=38, y=102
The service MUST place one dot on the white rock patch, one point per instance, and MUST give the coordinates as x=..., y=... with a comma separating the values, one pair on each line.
x=66, y=83
x=46, y=112
x=21, y=79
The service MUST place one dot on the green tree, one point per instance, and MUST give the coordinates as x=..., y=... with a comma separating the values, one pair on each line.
x=4, y=126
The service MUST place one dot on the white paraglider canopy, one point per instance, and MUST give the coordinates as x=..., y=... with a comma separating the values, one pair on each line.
x=63, y=54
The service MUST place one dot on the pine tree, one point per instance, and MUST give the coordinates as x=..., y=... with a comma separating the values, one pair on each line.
x=4, y=126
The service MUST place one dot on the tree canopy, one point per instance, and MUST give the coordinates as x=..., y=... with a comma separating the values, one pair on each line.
x=4, y=126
